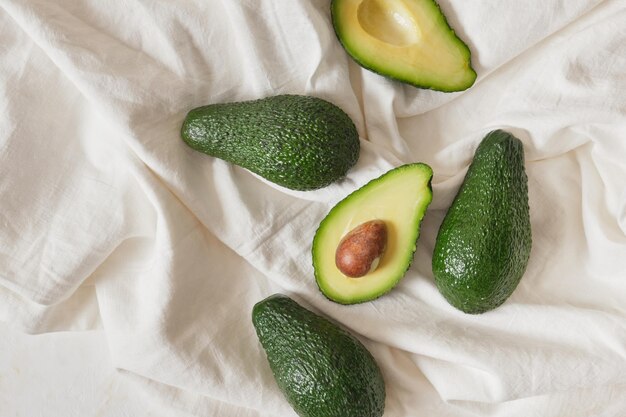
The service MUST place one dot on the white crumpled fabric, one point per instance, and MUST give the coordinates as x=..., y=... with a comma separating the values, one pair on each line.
x=108, y=220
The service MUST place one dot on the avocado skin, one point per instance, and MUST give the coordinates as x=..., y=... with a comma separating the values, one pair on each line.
x=484, y=242
x=298, y=142
x=322, y=370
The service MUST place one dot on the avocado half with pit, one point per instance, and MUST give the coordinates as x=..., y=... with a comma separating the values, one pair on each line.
x=407, y=40
x=378, y=226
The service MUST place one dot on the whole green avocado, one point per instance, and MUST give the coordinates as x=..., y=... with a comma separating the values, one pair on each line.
x=484, y=242
x=299, y=142
x=322, y=370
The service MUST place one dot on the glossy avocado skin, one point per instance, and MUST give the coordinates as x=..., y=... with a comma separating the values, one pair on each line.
x=484, y=242
x=298, y=142
x=322, y=370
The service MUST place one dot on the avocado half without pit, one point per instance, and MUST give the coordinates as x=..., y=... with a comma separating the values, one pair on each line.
x=407, y=40
x=366, y=243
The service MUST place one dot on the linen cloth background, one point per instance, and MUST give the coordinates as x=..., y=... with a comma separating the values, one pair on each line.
x=107, y=220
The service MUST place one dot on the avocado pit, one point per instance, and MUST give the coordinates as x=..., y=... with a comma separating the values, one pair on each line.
x=359, y=251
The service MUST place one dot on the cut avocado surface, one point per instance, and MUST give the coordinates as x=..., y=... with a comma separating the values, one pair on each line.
x=399, y=198
x=408, y=40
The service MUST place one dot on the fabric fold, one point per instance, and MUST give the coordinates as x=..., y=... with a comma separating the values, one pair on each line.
x=109, y=220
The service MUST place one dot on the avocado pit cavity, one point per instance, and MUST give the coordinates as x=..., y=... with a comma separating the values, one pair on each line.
x=388, y=21
x=359, y=251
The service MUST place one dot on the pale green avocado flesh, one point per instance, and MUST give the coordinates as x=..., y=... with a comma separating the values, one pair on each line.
x=399, y=198
x=407, y=40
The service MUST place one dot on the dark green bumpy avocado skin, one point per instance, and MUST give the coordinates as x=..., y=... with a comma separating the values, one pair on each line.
x=484, y=242
x=322, y=370
x=298, y=142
